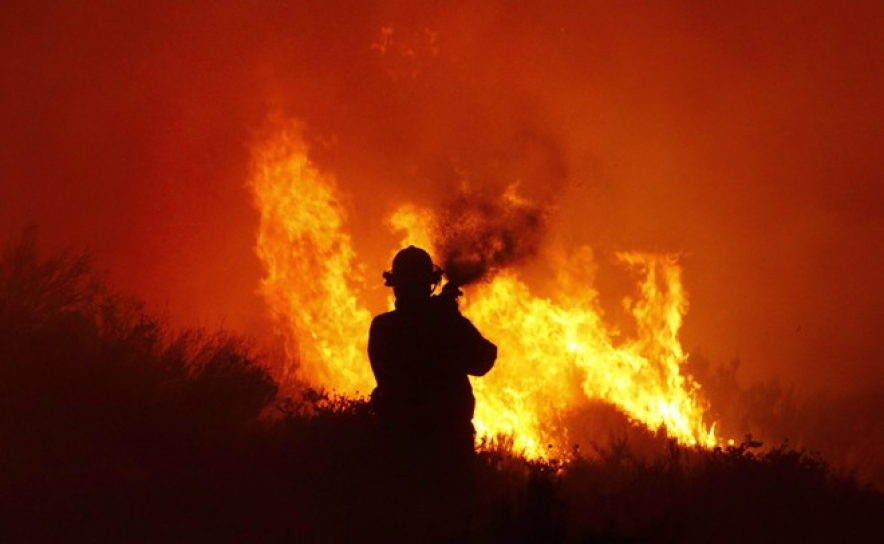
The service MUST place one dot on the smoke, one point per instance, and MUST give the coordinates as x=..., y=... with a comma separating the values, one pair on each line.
x=478, y=236
x=499, y=220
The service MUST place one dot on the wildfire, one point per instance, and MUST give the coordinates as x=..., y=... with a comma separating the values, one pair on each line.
x=554, y=352
x=312, y=281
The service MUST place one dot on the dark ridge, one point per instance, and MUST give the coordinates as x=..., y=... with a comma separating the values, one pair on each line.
x=116, y=429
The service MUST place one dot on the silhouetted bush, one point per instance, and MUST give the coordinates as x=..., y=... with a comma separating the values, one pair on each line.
x=846, y=428
x=105, y=414
x=115, y=429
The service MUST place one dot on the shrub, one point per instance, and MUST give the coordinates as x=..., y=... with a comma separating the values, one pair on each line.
x=115, y=429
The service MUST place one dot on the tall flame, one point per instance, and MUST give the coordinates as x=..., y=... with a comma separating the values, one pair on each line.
x=312, y=282
x=554, y=353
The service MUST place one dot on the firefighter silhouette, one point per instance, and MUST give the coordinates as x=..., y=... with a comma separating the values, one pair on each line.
x=422, y=354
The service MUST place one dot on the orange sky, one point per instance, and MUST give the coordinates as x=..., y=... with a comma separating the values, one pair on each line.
x=746, y=137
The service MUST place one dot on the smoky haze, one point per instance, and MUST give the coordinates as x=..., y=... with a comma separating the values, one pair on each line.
x=478, y=237
x=745, y=137
x=479, y=234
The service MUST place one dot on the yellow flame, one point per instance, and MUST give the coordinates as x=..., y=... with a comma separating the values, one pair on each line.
x=554, y=353
x=311, y=278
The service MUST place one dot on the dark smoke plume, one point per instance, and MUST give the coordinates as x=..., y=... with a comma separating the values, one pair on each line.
x=478, y=236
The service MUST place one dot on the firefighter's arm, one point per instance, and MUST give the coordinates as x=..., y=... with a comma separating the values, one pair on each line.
x=478, y=354
x=378, y=351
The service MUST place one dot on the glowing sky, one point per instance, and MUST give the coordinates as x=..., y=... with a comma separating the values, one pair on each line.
x=747, y=136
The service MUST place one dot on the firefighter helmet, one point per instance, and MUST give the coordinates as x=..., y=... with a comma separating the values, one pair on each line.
x=412, y=265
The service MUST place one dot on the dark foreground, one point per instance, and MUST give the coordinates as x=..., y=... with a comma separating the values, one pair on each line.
x=114, y=429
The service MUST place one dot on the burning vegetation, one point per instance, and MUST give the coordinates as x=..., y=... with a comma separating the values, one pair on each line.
x=502, y=136
x=118, y=429
x=556, y=351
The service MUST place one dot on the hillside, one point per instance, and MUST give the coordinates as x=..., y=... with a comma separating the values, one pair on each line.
x=117, y=429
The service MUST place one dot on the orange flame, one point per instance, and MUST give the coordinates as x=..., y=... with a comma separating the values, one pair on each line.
x=311, y=280
x=554, y=353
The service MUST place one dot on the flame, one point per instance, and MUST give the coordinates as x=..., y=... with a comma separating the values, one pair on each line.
x=555, y=352
x=311, y=280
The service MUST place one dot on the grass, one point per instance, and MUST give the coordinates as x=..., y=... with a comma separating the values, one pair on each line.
x=116, y=429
